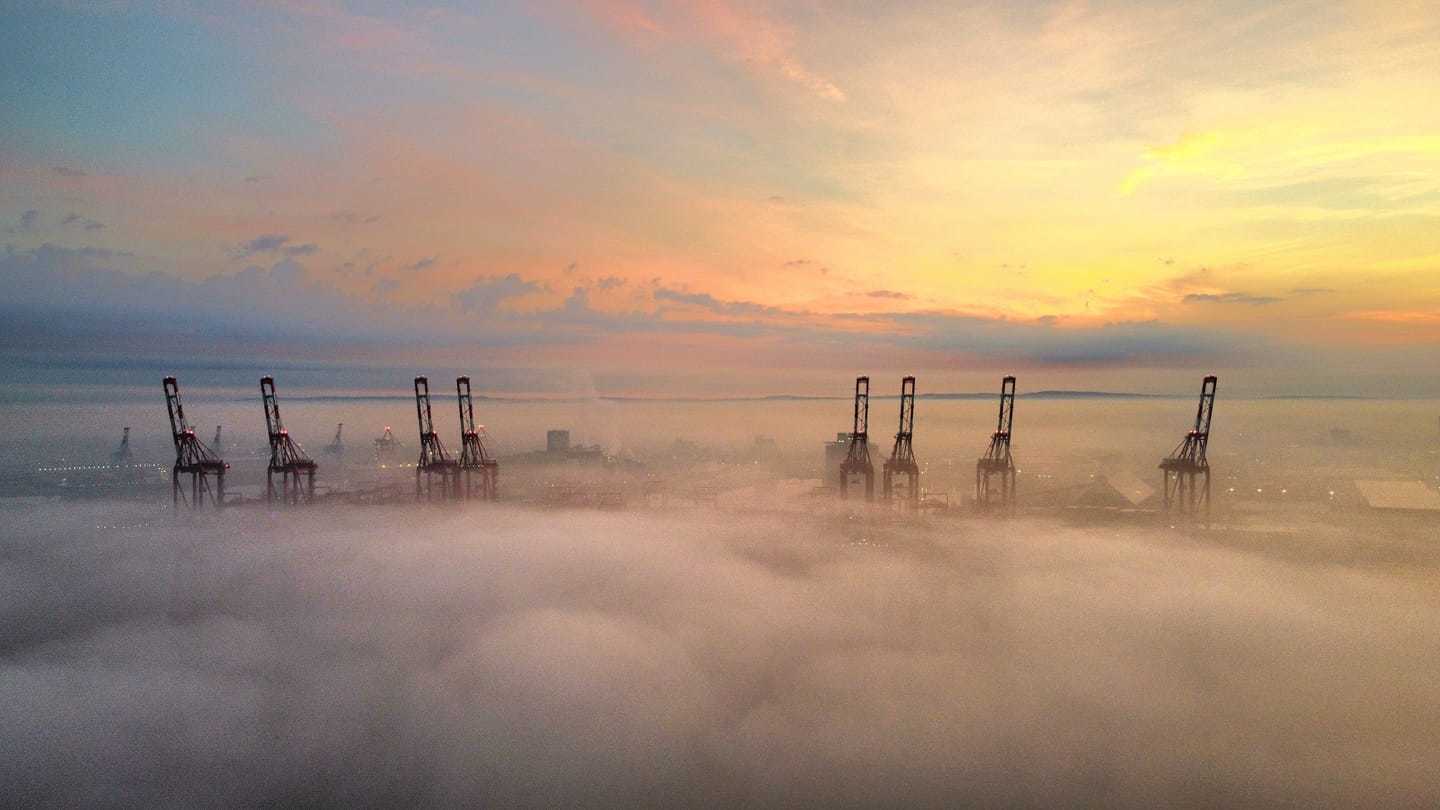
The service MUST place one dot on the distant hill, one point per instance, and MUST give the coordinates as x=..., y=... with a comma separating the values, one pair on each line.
x=1050, y=395
x=1055, y=394
x=1095, y=395
x=955, y=395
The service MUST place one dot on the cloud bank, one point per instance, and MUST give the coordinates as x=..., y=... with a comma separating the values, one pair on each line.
x=510, y=658
x=56, y=292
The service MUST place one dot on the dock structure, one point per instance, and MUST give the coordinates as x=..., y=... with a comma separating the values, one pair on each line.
x=474, y=471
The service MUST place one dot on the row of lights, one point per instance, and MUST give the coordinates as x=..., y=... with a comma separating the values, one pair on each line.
x=1283, y=491
x=78, y=468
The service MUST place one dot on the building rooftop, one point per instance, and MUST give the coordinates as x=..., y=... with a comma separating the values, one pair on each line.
x=1413, y=495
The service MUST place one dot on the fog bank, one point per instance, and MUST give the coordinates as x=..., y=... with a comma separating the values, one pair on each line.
x=500, y=656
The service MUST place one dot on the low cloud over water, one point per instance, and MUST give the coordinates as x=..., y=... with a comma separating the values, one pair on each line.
x=496, y=656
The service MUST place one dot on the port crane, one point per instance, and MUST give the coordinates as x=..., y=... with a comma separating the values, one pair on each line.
x=475, y=461
x=997, y=463
x=1186, y=470
x=286, y=456
x=857, y=457
x=387, y=448
x=192, y=457
x=434, y=460
x=902, y=456
x=122, y=455
x=336, y=447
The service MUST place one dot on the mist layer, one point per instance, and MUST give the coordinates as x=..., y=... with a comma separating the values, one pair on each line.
x=499, y=656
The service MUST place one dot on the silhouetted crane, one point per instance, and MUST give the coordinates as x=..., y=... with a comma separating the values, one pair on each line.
x=997, y=460
x=122, y=455
x=434, y=461
x=387, y=448
x=192, y=457
x=474, y=460
x=1188, y=460
x=336, y=447
x=286, y=457
x=857, y=457
x=902, y=456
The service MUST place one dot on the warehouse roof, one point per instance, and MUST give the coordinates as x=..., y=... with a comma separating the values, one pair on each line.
x=1413, y=495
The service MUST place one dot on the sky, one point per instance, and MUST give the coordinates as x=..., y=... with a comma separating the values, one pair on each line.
x=732, y=197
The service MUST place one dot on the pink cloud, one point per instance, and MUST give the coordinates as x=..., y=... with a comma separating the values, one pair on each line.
x=763, y=43
x=760, y=40
x=624, y=17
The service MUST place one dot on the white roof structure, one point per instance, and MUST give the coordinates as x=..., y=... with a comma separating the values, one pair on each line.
x=1132, y=488
x=1117, y=490
x=1410, y=495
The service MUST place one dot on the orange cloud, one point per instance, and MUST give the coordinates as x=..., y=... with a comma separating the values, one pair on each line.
x=1418, y=317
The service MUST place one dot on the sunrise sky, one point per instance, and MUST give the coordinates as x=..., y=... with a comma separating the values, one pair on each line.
x=754, y=197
